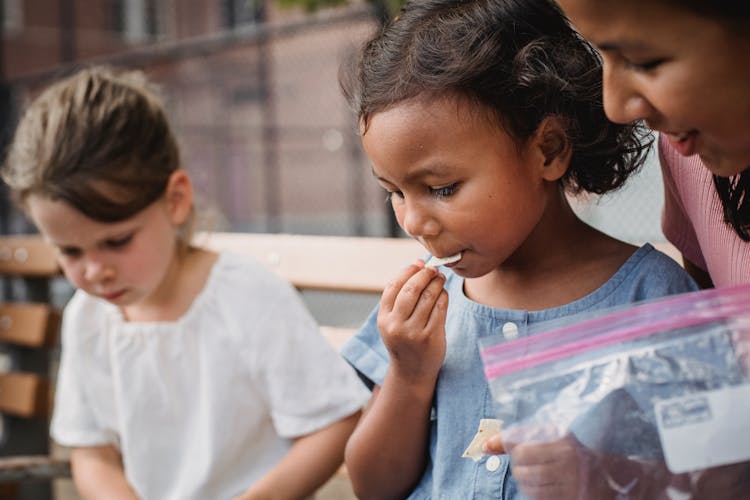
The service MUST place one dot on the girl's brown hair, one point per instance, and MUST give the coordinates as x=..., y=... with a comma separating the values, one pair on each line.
x=97, y=140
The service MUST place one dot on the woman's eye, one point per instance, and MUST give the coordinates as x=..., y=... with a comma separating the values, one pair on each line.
x=444, y=191
x=644, y=65
x=119, y=242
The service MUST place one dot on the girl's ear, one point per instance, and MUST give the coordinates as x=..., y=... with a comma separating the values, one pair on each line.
x=179, y=196
x=554, y=147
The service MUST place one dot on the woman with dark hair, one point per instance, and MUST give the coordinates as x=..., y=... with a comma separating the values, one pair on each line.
x=682, y=67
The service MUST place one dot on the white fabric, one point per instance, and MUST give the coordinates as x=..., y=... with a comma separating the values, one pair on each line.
x=204, y=406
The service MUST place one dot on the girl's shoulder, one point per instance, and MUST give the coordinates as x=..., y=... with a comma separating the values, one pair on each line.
x=84, y=318
x=242, y=272
x=650, y=272
x=242, y=286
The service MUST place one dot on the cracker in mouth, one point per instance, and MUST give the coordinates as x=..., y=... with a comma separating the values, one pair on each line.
x=437, y=261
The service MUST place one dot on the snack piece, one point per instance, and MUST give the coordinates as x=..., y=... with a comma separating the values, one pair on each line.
x=487, y=427
x=437, y=261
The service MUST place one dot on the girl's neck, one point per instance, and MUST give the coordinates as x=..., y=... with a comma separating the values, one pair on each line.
x=563, y=260
x=182, y=283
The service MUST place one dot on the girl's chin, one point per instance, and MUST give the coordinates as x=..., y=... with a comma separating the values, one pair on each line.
x=469, y=273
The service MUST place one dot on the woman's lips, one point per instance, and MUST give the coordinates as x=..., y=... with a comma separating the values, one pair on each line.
x=684, y=142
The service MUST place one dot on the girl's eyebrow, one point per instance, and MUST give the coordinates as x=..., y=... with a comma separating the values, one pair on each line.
x=419, y=173
x=101, y=241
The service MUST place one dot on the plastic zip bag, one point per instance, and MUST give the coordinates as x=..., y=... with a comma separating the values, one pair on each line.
x=654, y=396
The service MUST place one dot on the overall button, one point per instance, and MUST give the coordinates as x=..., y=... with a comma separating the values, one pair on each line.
x=493, y=463
x=510, y=331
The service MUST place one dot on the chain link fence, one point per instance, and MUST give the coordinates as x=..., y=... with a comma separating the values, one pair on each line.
x=253, y=94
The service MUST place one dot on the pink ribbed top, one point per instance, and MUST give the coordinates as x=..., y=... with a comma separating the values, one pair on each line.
x=693, y=220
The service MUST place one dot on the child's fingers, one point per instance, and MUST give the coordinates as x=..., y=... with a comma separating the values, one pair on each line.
x=411, y=293
x=439, y=309
x=424, y=309
x=394, y=286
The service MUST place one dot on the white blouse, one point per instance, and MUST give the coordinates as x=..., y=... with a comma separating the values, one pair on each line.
x=204, y=406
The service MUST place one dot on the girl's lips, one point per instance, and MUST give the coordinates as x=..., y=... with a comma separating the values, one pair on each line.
x=111, y=297
x=684, y=143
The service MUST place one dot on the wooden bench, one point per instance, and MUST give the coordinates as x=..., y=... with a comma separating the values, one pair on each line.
x=29, y=328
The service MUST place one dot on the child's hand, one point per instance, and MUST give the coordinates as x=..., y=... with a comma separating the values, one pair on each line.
x=411, y=321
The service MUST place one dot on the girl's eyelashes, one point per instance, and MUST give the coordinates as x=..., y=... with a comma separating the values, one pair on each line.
x=69, y=252
x=389, y=195
x=112, y=244
x=444, y=191
x=119, y=242
x=438, y=192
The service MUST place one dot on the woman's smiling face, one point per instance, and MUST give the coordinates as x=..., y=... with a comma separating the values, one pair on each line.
x=686, y=75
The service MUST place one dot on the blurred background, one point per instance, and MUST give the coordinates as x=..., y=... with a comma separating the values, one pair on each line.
x=251, y=89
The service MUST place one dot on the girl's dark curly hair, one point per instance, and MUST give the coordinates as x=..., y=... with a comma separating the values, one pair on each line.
x=518, y=59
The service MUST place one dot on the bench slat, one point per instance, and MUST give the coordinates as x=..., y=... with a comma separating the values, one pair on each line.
x=23, y=394
x=28, y=256
x=329, y=263
x=29, y=324
x=33, y=468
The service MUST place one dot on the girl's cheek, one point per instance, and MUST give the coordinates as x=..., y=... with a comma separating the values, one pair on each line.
x=72, y=273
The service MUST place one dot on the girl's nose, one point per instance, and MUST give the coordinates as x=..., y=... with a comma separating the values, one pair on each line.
x=95, y=270
x=623, y=102
x=418, y=222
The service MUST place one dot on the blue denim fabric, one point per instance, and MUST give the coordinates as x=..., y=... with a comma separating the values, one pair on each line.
x=462, y=395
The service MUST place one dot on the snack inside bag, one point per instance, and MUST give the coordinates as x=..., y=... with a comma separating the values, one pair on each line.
x=662, y=383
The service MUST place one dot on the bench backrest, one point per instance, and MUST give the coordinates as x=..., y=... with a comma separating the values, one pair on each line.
x=29, y=327
x=324, y=263
x=330, y=263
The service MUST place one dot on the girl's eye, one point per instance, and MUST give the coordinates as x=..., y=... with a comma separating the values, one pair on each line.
x=444, y=191
x=70, y=252
x=119, y=242
x=390, y=195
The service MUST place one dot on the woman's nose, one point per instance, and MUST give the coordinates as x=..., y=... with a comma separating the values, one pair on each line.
x=623, y=102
